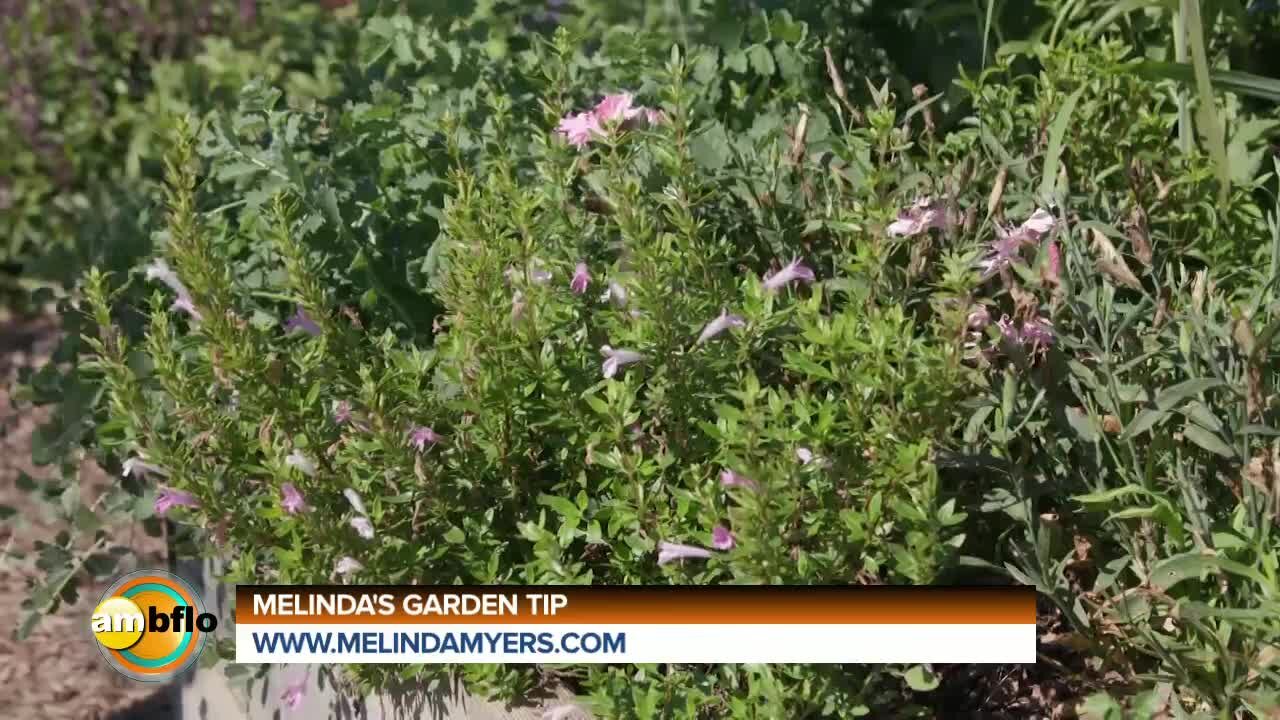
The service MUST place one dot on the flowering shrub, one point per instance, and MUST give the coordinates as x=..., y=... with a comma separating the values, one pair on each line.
x=579, y=314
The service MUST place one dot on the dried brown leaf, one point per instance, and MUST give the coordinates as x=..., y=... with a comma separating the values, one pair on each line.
x=1110, y=263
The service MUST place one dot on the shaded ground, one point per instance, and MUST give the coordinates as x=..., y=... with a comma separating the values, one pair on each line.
x=57, y=673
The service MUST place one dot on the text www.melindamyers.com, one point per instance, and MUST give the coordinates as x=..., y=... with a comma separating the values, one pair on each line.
x=380, y=643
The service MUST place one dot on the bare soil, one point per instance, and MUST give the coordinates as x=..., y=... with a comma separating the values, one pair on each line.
x=57, y=673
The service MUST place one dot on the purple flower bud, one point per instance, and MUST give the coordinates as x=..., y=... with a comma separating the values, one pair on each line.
x=294, y=692
x=347, y=566
x=670, y=552
x=1041, y=223
x=1036, y=332
x=363, y=527
x=353, y=497
x=291, y=500
x=616, y=294
x=304, y=464
x=616, y=359
x=517, y=306
x=300, y=320
x=138, y=468
x=979, y=318
x=341, y=412
x=719, y=325
x=792, y=272
x=581, y=279
x=422, y=436
x=920, y=217
x=722, y=538
x=160, y=270
x=729, y=478
x=168, y=498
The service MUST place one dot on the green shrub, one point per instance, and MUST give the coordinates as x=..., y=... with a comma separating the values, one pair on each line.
x=767, y=333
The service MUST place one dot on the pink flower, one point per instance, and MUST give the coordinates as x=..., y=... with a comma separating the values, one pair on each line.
x=581, y=279
x=139, y=468
x=422, y=436
x=517, y=306
x=187, y=305
x=357, y=503
x=291, y=501
x=363, y=527
x=616, y=359
x=1004, y=251
x=979, y=318
x=670, y=552
x=347, y=566
x=304, y=464
x=719, y=325
x=160, y=270
x=293, y=692
x=918, y=218
x=168, y=498
x=792, y=272
x=578, y=129
x=1039, y=224
x=616, y=294
x=341, y=412
x=1053, y=270
x=614, y=108
x=301, y=321
x=804, y=455
x=729, y=478
x=654, y=117
x=722, y=538
x=1037, y=332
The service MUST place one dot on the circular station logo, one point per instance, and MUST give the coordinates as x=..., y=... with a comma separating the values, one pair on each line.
x=150, y=625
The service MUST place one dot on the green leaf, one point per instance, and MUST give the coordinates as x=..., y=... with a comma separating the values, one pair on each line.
x=1053, y=155
x=802, y=363
x=1207, y=440
x=565, y=508
x=1124, y=7
x=920, y=679
x=1143, y=422
x=1100, y=706
x=1082, y=424
x=1241, y=83
x=455, y=536
x=1171, y=397
x=710, y=147
x=761, y=60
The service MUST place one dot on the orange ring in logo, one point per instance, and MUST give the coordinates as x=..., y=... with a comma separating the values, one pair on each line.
x=157, y=656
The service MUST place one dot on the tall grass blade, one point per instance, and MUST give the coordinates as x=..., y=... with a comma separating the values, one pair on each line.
x=1210, y=122
x=1241, y=83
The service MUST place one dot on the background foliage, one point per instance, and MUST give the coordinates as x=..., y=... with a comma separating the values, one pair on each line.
x=1098, y=418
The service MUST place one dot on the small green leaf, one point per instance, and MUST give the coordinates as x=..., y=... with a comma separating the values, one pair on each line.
x=1057, y=132
x=920, y=679
x=1207, y=440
